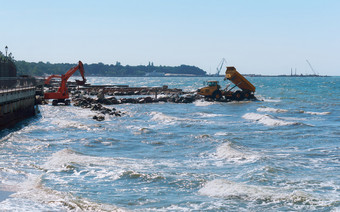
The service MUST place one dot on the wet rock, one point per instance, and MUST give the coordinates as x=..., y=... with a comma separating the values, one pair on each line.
x=99, y=118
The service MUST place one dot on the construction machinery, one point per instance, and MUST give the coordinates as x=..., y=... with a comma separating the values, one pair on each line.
x=213, y=90
x=62, y=95
x=219, y=67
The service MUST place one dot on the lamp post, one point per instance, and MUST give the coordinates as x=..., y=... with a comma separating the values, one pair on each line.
x=6, y=49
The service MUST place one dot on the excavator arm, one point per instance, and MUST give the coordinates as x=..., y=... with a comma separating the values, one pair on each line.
x=62, y=92
x=70, y=72
x=48, y=80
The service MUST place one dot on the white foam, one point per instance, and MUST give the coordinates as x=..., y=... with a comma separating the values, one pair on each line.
x=235, y=154
x=202, y=103
x=166, y=119
x=70, y=124
x=273, y=110
x=267, y=119
x=317, y=113
x=222, y=133
x=84, y=166
x=208, y=115
x=226, y=189
x=40, y=197
x=158, y=116
x=269, y=99
x=64, y=159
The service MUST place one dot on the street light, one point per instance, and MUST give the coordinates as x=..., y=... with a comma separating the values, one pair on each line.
x=6, y=49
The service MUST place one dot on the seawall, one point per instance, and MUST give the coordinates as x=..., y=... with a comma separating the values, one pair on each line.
x=17, y=96
x=16, y=105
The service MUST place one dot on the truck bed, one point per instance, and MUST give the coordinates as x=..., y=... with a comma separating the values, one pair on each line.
x=241, y=82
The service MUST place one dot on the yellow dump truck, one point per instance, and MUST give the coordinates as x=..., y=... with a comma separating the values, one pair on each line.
x=213, y=90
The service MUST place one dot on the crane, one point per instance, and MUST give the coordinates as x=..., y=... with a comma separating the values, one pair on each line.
x=311, y=67
x=220, y=66
x=62, y=94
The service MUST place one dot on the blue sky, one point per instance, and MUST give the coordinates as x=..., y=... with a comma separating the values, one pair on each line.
x=261, y=37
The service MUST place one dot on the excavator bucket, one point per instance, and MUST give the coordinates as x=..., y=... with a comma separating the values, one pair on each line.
x=80, y=82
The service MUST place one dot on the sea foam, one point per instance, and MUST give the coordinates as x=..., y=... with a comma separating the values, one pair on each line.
x=226, y=189
x=235, y=154
x=267, y=119
x=273, y=110
x=33, y=195
x=317, y=113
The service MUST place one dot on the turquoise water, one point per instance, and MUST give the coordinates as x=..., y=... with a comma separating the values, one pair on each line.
x=281, y=153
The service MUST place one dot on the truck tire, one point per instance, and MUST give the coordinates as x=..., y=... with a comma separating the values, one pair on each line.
x=217, y=94
x=54, y=102
x=246, y=95
x=238, y=96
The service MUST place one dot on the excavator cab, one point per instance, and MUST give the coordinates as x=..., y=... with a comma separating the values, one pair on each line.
x=212, y=90
x=213, y=83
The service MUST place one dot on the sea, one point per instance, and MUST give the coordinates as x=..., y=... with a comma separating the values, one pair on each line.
x=279, y=153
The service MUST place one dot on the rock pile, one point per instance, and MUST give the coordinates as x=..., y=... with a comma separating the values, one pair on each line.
x=87, y=102
x=96, y=105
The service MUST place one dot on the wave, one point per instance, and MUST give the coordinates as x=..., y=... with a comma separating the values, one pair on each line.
x=317, y=113
x=143, y=130
x=269, y=99
x=226, y=189
x=235, y=154
x=203, y=103
x=34, y=196
x=267, y=119
x=161, y=117
x=210, y=115
x=82, y=167
x=273, y=110
x=166, y=119
x=222, y=133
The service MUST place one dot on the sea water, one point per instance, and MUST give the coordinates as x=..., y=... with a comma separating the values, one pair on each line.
x=281, y=153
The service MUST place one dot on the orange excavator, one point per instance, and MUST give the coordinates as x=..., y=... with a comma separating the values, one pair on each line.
x=62, y=94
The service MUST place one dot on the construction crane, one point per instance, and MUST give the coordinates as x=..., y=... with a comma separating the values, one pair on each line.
x=220, y=66
x=311, y=67
x=62, y=94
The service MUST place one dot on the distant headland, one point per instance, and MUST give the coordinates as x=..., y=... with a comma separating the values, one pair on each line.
x=118, y=70
x=105, y=70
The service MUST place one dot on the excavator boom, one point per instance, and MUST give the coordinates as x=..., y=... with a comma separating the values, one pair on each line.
x=62, y=92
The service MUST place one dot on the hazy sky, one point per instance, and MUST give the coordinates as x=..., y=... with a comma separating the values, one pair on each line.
x=255, y=36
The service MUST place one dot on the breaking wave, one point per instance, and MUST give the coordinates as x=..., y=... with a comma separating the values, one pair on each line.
x=273, y=110
x=267, y=119
x=203, y=103
x=226, y=189
x=317, y=113
x=210, y=115
x=166, y=119
x=235, y=154
x=36, y=197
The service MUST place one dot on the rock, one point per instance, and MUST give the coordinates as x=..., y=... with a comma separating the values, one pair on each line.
x=99, y=118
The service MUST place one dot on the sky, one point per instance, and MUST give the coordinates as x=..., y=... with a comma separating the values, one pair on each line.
x=257, y=37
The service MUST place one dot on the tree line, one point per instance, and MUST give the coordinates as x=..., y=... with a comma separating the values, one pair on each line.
x=105, y=70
